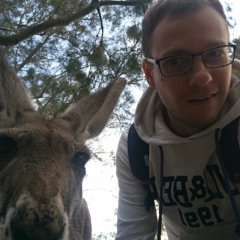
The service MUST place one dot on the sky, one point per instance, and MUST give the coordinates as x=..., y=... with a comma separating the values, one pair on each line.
x=100, y=184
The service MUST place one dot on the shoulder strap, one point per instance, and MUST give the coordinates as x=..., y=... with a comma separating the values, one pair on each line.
x=230, y=151
x=138, y=154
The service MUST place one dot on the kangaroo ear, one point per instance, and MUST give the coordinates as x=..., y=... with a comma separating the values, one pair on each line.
x=89, y=115
x=13, y=95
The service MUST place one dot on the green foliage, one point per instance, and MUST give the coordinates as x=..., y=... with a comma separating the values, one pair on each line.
x=61, y=63
x=231, y=21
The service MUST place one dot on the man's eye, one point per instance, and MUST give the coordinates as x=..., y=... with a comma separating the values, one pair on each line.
x=177, y=62
x=214, y=53
x=174, y=61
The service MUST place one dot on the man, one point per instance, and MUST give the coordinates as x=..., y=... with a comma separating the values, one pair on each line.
x=192, y=92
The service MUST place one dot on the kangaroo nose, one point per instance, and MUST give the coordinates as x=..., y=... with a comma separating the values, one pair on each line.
x=35, y=224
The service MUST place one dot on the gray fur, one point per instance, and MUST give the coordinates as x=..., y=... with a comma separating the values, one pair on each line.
x=41, y=162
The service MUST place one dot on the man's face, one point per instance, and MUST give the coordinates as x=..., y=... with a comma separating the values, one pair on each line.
x=193, y=100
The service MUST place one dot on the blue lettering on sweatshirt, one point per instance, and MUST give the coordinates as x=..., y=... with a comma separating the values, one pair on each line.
x=182, y=191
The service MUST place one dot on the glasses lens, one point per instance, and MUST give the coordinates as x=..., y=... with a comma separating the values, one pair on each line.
x=219, y=57
x=175, y=65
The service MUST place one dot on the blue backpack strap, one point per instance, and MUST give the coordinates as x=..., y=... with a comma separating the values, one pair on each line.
x=230, y=151
x=138, y=153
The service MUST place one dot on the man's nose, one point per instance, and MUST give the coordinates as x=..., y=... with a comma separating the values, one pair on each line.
x=200, y=73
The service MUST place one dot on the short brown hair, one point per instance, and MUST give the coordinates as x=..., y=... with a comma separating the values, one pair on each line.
x=163, y=8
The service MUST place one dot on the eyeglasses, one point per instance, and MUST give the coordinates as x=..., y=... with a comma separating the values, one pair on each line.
x=180, y=64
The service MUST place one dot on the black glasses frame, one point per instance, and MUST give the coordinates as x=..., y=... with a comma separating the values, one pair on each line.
x=158, y=61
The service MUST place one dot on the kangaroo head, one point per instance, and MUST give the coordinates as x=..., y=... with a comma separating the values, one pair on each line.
x=42, y=162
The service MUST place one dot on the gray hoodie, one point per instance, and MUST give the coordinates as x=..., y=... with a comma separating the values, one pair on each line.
x=195, y=202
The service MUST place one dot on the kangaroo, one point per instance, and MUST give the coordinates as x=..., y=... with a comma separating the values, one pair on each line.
x=42, y=161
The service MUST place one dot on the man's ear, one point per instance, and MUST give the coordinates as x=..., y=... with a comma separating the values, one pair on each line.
x=148, y=71
x=236, y=64
x=236, y=67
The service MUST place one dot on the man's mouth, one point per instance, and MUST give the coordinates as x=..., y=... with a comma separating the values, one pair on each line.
x=202, y=98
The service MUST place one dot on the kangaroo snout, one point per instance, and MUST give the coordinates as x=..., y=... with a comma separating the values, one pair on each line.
x=43, y=222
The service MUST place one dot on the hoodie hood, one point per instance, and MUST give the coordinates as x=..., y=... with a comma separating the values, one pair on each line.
x=150, y=125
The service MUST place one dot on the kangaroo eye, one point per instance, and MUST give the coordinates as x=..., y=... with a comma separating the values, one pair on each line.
x=8, y=150
x=7, y=144
x=81, y=158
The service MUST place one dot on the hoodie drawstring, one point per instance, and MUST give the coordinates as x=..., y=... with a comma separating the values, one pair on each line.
x=226, y=180
x=160, y=205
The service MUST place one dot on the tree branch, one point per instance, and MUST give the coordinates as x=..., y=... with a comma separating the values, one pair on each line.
x=29, y=57
x=60, y=22
x=100, y=17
